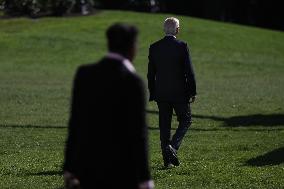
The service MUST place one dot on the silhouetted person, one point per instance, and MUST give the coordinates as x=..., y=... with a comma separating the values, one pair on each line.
x=171, y=84
x=107, y=140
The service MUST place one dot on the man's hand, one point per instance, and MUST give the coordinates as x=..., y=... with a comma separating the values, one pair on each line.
x=146, y=185
x=192, y=99
x=71, y=182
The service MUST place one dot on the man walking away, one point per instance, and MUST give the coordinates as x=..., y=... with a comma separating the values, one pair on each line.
x=172, y=85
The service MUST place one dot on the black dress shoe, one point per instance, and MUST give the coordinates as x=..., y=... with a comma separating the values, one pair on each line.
x=166, y=158
x=172, y=154
x=169, y=166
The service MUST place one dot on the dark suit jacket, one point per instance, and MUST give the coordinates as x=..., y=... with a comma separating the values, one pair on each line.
x=107, y=139
x=170, y=72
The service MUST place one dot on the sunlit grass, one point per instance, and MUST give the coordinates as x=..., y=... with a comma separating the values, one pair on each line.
x=240, y=86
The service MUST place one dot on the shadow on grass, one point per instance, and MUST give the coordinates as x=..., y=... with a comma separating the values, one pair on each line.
x=274, y=157
x=47, y=173
x=34, y=126
x=256, y=119
x=193, y=129
x=269, y=120
x=248, y=120
x=236, y=121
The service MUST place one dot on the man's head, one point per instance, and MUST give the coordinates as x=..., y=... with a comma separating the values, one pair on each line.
x=171, y=26
x=122, y=39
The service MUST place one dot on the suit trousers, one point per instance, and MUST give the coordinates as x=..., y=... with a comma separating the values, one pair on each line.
x=183, y=113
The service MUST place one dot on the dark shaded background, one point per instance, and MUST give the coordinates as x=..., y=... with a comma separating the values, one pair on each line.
x=261, y=13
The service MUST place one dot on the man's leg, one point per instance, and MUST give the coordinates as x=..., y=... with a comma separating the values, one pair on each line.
x=183, y=113
x=165, y=119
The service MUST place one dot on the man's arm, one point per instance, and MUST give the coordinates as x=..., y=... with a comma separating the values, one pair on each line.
x=137, y=119
x=151, y=76
x=189, y=74
x=72, y=140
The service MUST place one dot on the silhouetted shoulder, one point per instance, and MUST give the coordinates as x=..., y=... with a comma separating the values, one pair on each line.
x=172, y=40
x=183, y=43
x=86, y=69
x=157, y=43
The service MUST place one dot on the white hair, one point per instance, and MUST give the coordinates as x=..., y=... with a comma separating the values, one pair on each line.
x=170, y=26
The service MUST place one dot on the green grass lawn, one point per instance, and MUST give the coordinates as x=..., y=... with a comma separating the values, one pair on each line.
x=236, y=140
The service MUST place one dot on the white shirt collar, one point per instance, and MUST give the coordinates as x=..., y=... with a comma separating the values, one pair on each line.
x=121, y=58
x=172, y=36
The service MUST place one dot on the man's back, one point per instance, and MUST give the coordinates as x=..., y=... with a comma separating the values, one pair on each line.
x=171, y=84
x=169, y=62
x=106, y=126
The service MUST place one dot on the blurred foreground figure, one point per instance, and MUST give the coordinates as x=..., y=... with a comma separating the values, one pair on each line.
x=171, y=84
x=107, y=140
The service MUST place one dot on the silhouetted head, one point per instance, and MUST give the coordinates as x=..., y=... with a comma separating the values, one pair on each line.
x=171, y=26
x=122, y=39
